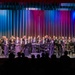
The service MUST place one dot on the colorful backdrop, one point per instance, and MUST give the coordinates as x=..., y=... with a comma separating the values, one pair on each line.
x=37, y=22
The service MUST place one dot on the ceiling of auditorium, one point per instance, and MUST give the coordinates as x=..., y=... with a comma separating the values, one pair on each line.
x=42, y=4
x=38, y=1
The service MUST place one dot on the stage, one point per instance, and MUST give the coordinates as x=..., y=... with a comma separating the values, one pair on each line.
x=50, y=25
x=29, y=56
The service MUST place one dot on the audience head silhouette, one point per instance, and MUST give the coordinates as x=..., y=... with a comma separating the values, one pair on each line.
x=47, y=55
x=33, y=56
x=19, y=54
x=11, y=56
x=65, y=53
x=38, y=56
x=53, y=56
x=43, y=54
x=23, y=55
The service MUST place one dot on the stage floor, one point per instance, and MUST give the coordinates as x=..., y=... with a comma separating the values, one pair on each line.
x=29, y=56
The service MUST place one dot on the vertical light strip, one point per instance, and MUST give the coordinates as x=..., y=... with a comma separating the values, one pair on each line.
x=45, y=22
x=4, y=23
x=23, y=22
x=14, y=22
x=20, y=23
x=39, y=24
x=72, y=28
x=1, y=30
x=2, y=27
x=8, y=33
x=65, y=25
x=53, y=22
x=35, y=24
x=56, y=23
x=66, y=22
x=49, y=24
x=35, y=28
x=29, y=21
x=59, y=24
x=5, y=18
x=61, y=27
x=17, y=21
x=9, y=27
x=56, y=20
x=69, y=23
x=26, y=22
x=57, y=14
x=11, y=21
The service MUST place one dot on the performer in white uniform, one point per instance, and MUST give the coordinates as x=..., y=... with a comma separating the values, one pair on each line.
x=6, y=47
x=43, y=40
x=34, y=40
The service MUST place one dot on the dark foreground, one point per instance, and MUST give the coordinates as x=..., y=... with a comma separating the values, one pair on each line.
x=44, y=65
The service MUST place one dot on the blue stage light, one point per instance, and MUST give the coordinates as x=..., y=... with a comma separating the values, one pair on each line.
x=73, y=15
x=2, y=12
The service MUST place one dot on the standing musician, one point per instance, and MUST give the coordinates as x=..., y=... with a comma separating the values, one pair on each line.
x=6, y=50
x=2, y=45
x=12, y=44
x=22, y=45
x=59, y=47
x=17, y=45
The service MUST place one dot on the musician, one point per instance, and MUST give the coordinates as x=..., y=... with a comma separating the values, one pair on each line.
x=51, y=49
x=6, y=47
x=55, y=41
x=73, y=40
x=59, y=47
x=21, y=41
x=63, y=44
x=26, y=40
x=34, y=40
x=17, y=45
x=29, y=40
x=47, y=39
x=70, y=46
x=37, y=39
x=22, y=45
x=2, y=43
x=0, y=47
x=43, y=40
x=12, y=44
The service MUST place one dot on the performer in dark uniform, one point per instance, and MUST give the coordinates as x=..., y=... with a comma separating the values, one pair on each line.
x=59, y=48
